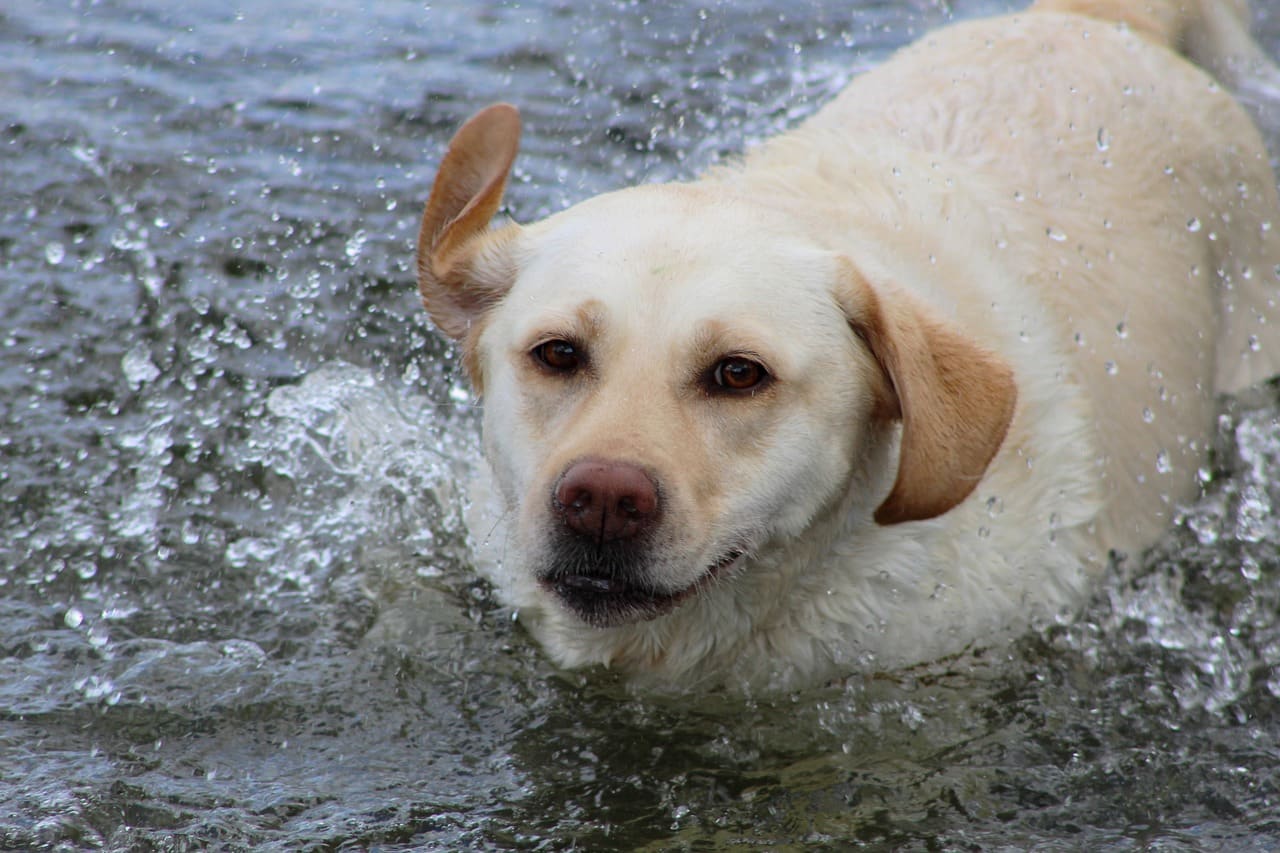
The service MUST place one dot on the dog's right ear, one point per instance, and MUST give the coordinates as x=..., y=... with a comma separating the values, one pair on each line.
x=460, y=275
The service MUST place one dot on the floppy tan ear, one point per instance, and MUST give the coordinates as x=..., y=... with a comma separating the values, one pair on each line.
x=467, y=192
x=955, y=400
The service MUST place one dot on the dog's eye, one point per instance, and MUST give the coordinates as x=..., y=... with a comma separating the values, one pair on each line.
x=739, y=374
x=560, y=356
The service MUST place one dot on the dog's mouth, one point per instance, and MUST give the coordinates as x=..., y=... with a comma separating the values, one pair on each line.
x=604, y=599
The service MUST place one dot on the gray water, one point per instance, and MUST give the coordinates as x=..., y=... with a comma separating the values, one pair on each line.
x=235, y=609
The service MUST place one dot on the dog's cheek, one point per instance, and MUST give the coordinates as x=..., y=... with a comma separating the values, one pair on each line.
x=827, y=452
x=809, y=477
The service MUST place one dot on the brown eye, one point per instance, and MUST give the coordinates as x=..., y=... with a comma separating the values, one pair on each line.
x=739, y=374
x=560, y=356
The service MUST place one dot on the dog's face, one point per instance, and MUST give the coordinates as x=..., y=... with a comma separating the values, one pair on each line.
x=674, y=378
x=665, y=389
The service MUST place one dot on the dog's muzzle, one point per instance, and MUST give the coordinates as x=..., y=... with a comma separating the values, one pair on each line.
x=603, y=550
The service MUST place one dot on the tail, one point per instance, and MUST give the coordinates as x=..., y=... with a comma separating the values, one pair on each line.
x=1212, y=33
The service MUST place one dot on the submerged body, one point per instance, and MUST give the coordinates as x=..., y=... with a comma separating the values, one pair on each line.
x=893, y=386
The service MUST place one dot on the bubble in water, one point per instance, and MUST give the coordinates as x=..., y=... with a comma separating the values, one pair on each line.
x=1193, y=224
x=1122, y=330
x=1104, y=139
x=1056, y=234
x=74, y=618
x=1163, y=465
x=54, y=253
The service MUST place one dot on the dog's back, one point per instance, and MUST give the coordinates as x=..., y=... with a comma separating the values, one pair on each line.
x=1132, y=194
x=1212, y=33
x=1215, y=35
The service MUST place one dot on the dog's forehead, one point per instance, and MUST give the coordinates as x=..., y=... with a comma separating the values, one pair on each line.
x=671, y=249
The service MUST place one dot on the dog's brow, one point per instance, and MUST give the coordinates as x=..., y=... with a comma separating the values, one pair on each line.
x=591, y=317
x=714, y=337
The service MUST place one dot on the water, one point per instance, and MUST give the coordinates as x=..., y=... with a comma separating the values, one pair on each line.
x=235, y=610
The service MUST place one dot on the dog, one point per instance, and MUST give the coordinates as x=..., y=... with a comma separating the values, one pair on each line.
x=897, y=384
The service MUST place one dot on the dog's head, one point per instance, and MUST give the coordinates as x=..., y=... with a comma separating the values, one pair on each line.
x=675, y=377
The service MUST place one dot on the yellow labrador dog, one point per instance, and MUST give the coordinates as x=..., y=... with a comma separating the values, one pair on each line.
x=893, y=385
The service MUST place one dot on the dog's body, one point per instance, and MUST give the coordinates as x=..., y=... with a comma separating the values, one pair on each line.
x=894, y=385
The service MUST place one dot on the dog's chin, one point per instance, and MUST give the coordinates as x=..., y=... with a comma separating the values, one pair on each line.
x=608, y=599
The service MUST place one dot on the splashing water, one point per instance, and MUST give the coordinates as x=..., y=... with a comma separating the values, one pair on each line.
x=236, y=603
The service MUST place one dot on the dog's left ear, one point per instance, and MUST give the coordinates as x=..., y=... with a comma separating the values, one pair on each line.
x=458, y=273
x=955, y=399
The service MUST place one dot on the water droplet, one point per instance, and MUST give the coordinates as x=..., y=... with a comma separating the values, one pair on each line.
x=74, y=618
x=1204, y=526
x=1104, y=139
x=98, y=636
x=1193, y=224
x=1122, y=330
x=1147, y=415
x=54, y=253
x=1111, y=368
x=1254, y=344
x=1056, y=234
x=1163, y=465
x=355, y=244
x=137, y=365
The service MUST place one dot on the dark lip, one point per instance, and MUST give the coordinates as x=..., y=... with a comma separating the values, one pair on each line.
x=606, y=602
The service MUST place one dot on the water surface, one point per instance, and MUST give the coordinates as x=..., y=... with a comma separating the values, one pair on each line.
x=235, y=608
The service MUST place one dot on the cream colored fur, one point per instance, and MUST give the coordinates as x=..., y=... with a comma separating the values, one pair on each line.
x=1045, y=236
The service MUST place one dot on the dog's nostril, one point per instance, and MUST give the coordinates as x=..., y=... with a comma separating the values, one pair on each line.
x=606, y=500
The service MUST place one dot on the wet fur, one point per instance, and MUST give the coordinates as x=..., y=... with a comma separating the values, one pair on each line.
x=995, y=342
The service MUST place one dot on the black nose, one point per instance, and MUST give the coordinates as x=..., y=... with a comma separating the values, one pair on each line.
x=606, y=501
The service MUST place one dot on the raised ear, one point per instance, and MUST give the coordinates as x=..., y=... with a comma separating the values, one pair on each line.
x=466, y=195
x=955, y=399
